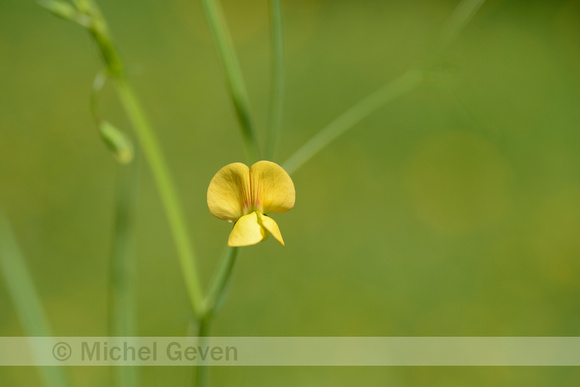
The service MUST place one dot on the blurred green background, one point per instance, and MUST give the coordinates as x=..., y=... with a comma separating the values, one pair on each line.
x=453, y=211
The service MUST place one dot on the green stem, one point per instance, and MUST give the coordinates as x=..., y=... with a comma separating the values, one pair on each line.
x=26, y=299
x=234, y=79
x=221, y=281
x=150, y=145
x=412, y=79
x=202, y=371
x=460, y=17
x=396, y=88
x=167, y=191
x=122, y=276
x=215, y=298
x=277, y=93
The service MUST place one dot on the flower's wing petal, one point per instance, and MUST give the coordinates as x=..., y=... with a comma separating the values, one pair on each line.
x=247, y=231
x=271, y=226
x=273, y=186
x=227, y=191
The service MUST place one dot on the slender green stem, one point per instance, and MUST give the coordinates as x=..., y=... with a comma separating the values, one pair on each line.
x=460, y=17
x=277, y=93
x=100, y=33
x=213, y=302
x=26, y=299
x=410, y=80
x=122, y=297
x=202, y=371
x=399, y=86
x=234, y=79
x=20, y=283
x=221, y=280
x=167, y=191
x=122, y=321
x=151, y=149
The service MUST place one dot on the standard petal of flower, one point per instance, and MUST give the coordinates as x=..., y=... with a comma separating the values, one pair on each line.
x=247, y=231
x=227, y=192
x=271, y=226
x=272, y=185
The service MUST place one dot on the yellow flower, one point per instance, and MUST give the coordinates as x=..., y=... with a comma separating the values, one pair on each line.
x=244, y=195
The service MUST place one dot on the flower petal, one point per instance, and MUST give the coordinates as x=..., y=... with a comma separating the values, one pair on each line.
x=247, y=231
x=228, y=190
x=273, y=186
x=271, y=226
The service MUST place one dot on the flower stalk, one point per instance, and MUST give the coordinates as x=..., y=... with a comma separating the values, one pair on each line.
x=213, y=302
